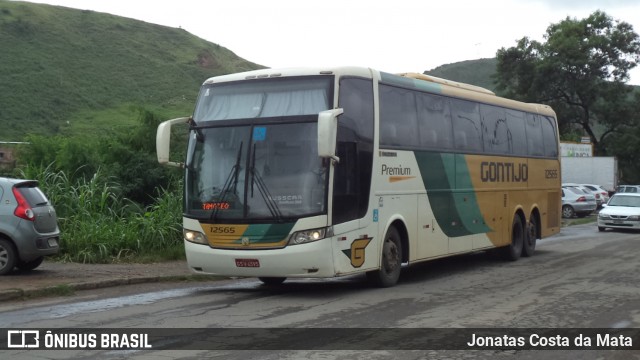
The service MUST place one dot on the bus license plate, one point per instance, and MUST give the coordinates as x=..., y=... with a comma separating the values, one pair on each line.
x=247, y=263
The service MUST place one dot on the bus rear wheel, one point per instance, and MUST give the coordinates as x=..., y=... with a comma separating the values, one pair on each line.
x=391, y=264
x=531, y=237
x=514, y=250
x=272, y=281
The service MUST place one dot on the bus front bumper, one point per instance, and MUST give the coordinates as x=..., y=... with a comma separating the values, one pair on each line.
x=306, y=260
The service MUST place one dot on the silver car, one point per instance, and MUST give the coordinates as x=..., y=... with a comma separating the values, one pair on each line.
x=621, y=212
x=28, y=225
x=578, y=202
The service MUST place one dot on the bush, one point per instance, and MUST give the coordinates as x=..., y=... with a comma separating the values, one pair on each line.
x=98, y=225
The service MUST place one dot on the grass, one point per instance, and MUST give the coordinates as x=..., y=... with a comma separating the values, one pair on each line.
x=579, y=221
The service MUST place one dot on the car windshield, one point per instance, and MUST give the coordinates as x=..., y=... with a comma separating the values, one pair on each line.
x=621, y=200
x=269, y=171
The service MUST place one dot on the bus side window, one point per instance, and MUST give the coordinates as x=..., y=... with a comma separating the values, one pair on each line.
x=534, y=135
x=549, y=137
x=398, y=111
x=434, y=121
x=465, y=117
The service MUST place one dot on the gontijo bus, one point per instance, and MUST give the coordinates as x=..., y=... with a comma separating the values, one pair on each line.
x=330, y=172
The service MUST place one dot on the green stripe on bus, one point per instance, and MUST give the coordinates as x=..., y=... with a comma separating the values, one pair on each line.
x=267, y=233
x=456, y=212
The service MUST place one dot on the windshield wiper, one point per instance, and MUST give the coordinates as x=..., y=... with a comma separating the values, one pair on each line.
x=232, y=180
x=256, y=179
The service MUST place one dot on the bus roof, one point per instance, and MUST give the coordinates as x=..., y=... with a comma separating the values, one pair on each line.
x=443, y=86
x=447, y=82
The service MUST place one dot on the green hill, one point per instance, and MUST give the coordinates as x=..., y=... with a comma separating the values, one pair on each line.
x=68, y=71
x=475, y=72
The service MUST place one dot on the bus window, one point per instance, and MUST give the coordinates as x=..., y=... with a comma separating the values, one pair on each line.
x=465, y=117
x=550, y=137
x=517, y=133
x=534, y=135
x=398, y=118
x=352, y=179
x=495, y=132
x=434, y=121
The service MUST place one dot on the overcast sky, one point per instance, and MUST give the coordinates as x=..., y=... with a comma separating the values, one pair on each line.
x=393, y=35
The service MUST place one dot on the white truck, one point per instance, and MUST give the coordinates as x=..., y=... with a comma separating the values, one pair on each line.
x=600, y=170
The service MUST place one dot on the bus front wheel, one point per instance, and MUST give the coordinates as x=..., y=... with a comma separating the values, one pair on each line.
x=391, y=263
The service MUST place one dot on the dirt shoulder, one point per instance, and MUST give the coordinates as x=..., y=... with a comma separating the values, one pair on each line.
x=55, y=278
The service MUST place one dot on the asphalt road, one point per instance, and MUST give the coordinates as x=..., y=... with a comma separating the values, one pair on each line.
x=578, y=279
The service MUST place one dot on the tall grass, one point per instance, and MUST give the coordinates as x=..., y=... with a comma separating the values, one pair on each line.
x=98, y=225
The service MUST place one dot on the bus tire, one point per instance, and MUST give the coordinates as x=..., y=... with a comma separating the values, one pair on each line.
x=514, y=250
x=531, y=237
x=272, y=281
x=391, y=263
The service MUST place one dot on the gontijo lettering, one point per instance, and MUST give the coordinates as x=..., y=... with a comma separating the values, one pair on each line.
x=492, y=171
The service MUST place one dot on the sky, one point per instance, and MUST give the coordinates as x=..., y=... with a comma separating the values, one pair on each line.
x=393, y=35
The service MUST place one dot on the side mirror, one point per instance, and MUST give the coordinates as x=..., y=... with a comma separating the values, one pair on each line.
x=327, y=133
x=163, y=141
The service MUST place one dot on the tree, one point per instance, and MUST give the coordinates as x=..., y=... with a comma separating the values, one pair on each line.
x=580, y=71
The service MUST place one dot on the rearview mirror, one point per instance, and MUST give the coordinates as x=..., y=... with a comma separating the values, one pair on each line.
x=327, y=133
x=163, y=141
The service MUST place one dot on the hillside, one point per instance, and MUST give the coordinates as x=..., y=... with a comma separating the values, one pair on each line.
x=475, y=72
x=68, y=71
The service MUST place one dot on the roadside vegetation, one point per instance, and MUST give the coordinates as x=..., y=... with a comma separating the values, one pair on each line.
x=114, y=202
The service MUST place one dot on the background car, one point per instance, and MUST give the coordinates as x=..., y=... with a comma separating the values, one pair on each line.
x=604, y=194
x=576, y=201
x=621, y=212
x=28, y=225
x=598, y=196
x=628, y=189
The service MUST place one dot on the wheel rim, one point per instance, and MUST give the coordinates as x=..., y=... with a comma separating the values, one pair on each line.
x=567, y=212
x=4, y=257
x=531, y=233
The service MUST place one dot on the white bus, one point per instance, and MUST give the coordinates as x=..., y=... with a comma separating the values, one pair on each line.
x=296, y=173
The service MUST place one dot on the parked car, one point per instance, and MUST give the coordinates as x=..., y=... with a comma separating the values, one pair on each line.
x=576, y=201
x=628, y=189
x=604, y=194
x=621, y=212
x=598, y=196
x=28, y=225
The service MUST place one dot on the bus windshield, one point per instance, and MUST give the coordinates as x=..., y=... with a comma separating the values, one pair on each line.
x=255, y=172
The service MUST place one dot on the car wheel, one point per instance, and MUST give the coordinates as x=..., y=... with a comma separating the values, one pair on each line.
x=601, y=228
x=531, y=237
x=567, y=212
x=8, y=256
x=514, y=250
x=391, y=265
x=272, y=281
x=30, y=265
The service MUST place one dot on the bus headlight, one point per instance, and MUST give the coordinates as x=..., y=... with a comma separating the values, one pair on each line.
x=195, y=237
x=307, y=236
